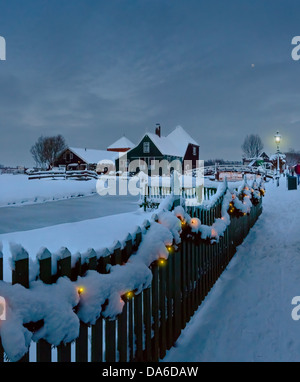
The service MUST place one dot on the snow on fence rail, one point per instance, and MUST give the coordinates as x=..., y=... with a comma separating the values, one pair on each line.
x=243, y=169
x=132, y=303
x=72, y=174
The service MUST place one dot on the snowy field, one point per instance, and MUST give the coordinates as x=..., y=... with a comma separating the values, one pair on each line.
x=18, y=190
x=247, y=315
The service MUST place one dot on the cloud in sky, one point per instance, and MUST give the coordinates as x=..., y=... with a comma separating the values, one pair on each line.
x=93, y=71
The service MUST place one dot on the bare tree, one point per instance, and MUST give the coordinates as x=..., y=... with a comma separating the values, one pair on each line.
x=46, y=150
x=252, y=146
x=292, y=157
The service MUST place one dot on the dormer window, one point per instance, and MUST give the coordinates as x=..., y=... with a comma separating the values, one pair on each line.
x=194, y=150
x=146, y=147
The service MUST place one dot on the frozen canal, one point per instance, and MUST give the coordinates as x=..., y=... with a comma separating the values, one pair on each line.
x=29, y=217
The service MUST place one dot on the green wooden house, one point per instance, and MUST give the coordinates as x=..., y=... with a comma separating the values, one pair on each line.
x=178, y=149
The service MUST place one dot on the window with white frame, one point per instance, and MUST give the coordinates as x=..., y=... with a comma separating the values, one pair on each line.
x=146, y=147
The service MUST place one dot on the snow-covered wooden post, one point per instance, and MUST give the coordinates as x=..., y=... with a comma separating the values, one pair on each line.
x=128, y=248
x=103, y=261
x=64, y=270
x=44, y=258
x=117, y=254
x=20, y=274
x=138, y=237
x=92, y=260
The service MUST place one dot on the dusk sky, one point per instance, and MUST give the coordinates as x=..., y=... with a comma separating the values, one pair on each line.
x=95, y=70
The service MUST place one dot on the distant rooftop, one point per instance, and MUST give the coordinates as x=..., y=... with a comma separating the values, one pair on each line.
x=122, y=143
x=92, y=156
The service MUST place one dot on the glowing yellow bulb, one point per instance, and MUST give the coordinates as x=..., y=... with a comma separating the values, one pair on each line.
x=80, y=290
x=129, y=295
x=162, y=262
x=169, y=248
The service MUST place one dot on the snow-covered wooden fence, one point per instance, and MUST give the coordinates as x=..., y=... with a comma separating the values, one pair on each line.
x=152, y=318
x=71, y=174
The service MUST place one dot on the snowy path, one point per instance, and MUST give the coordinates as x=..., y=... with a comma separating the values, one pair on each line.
x=34, y=216
x=247, y=315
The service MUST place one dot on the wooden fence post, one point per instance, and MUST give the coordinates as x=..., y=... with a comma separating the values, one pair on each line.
x=122, y=334
x=138, y=238
x=127, y=252
x=96, y=340
x=64, y=269
x=20, y=275
x=162, y=308
x=110, y=340
x=147, y=324
x=155, y=313
x=104, y=260
x=44, y=258
x=116, y=257
x=138, y=327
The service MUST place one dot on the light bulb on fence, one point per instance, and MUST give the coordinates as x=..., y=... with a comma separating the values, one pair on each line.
x=80, y=290
x=162, y=262
x=129, y=295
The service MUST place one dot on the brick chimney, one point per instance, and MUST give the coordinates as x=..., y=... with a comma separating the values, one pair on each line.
x=158, y=130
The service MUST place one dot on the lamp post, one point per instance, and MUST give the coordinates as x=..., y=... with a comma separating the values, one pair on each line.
x=277, y=141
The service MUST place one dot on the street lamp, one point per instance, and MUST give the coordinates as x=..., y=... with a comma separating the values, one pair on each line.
x=277, y=141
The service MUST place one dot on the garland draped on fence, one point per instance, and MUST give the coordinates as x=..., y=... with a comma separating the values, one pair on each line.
x=53, y=312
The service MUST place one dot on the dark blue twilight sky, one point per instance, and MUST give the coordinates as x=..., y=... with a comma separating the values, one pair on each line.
x=94, y=70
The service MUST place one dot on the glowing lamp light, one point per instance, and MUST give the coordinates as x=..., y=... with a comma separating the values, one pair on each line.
x=80, y=290
x=277, y=138
x=214, y=233
x=194, y=223
x=162, y=262
x=170, y=248
x=129, y=295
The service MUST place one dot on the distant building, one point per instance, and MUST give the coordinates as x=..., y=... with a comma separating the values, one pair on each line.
x=262, y=160
x=72, y=158
x=121, y=145
x=178, y=145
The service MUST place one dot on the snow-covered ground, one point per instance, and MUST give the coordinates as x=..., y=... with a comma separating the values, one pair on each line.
x=77, y=237
x=247, y=314
x=18, y=190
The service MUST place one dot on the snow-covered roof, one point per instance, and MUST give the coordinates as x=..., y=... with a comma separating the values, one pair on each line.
x=181, y=139
x=165, y=145
x=92, y=156
x=275, y=156
x=174, y=144
x=122, y=143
